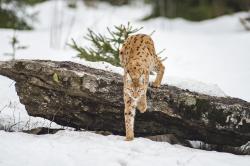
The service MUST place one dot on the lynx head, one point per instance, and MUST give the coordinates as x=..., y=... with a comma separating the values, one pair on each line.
x=135, y=86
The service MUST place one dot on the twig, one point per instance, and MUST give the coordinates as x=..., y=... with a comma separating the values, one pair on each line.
x=71, y=25
x=10, y=127
x=152, y=33
x=18, y=126
x=53, y=118
x=164, y=59
x=11, y=83
x=3, y=108
x=161, y=51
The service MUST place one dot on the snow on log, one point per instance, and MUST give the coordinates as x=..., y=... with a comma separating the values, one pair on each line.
x=74, y=95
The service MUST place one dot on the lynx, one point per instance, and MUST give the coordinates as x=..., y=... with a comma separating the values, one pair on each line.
x=138, y=58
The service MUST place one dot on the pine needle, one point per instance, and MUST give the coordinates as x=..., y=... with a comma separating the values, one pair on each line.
x=161, y=51
x=152, y=33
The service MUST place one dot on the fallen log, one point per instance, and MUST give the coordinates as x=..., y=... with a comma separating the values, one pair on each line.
x=74, y=95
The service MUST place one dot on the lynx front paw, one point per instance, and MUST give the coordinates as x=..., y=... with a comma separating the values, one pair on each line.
x=156, y=85
x=129, y=138
x=142, y=108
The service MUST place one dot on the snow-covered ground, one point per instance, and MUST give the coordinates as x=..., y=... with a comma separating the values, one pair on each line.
x=210, y=57
x=67, y=148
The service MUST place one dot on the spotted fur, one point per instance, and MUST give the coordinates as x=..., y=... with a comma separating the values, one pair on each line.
x=138, y=58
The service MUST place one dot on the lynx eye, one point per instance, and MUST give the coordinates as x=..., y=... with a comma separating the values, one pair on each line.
x=130, y=89
x=140, y=90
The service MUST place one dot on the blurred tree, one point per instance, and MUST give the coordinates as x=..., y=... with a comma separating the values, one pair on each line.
x=32, y=2
x=9, y=19
x=72, y=4
x=196, y=10
x=113, y=2
x=10, y=11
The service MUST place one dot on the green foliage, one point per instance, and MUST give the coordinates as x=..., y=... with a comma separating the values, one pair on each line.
x=55, y=78
x=32, y=2
x=105, y=48
x=8, y=19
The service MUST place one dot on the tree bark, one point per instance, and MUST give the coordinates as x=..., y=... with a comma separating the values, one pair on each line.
x=74, y=95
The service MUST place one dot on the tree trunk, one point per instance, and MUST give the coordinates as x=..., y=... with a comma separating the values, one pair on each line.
x=78, y=96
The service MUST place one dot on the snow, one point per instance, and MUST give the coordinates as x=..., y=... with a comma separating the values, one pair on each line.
x=13, y=115
x=67, y=148
x=210, y=57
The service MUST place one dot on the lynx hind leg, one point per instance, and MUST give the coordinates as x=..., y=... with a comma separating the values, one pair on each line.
x=129, y=114
x=159, y=69
x=142, y=104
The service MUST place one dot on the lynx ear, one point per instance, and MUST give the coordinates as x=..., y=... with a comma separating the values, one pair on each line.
x=141, y=79
x=129, y=79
